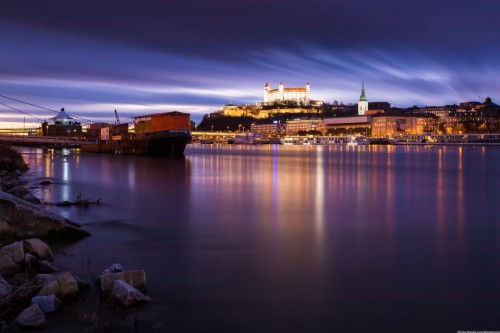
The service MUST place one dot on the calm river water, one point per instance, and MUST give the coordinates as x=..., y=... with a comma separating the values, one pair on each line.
x=292, y=239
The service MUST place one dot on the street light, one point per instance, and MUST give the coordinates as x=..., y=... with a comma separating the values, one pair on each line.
x=239, y=128
x=212, y=128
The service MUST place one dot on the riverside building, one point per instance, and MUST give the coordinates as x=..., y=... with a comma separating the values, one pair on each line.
x=293, y=127
x=62, y=125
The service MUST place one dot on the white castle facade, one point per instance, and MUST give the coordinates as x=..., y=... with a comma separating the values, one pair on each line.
x=298, y=94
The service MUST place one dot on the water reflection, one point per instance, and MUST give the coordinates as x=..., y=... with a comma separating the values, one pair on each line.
x=298, y=239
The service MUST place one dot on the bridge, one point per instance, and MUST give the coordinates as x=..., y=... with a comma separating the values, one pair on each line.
x=19, y=131
x=25, y=137
x=40, y=141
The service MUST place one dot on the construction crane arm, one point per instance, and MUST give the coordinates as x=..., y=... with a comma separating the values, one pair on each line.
x=117, y=118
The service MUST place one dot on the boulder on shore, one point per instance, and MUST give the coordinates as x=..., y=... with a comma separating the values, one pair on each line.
x=21, y=219
x=47, y=304
x=11, y=256
x=31, y=317
x=136, y=279
x=62, y=285
x=126, y=295
x=37, y=248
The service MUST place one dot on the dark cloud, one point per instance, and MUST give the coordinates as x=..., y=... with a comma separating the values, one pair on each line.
x=220, y=28
x=198, y=54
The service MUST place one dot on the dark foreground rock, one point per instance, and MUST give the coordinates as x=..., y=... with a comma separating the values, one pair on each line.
x=21, y=219
x=124, y=294
x=62, y=285
x=47, y=304
x=31, y=317
x=11, y=160
x=11, y=258
x=38, y=249
x=136, y=279
x=28, y=297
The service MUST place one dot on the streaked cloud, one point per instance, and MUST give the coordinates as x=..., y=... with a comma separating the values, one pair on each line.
x=174, y=58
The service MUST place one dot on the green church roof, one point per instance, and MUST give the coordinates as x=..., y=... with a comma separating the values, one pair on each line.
x=362, y=98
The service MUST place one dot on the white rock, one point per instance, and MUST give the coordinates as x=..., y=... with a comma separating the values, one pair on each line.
x=31, y=317
x=47, y=304
x=126, y=295
x=115, y=268
x=38, y=248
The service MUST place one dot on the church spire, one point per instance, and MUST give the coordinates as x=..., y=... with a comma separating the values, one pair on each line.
x=363, y=101
x=363, y=96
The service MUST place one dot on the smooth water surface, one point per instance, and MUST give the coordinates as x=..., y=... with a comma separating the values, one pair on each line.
x=293, y=239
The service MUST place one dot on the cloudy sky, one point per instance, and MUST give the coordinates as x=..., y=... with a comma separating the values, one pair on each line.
x=92, y=57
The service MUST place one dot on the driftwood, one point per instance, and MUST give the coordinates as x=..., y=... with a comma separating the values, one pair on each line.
x=80, y=201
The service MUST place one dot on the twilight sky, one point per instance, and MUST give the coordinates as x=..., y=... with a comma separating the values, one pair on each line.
x=92, y=57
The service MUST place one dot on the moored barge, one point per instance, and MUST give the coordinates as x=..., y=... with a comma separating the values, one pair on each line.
x=161, y=134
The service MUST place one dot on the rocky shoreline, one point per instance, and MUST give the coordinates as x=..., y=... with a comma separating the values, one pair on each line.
x=32, y=287
x=21, y=216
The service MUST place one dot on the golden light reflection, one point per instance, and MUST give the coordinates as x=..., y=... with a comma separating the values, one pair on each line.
x=319, y=211
x=361, y=214
x=65, y=179
x=460, y=198
x=440, y=208
x=390, y=226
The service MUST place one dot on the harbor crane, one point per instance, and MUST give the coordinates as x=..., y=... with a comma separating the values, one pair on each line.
x=117, y=118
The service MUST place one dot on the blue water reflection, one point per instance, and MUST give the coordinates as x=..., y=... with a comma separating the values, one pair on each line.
x=295, y=239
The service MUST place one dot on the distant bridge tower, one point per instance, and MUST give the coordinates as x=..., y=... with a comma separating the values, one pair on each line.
x=363, y=102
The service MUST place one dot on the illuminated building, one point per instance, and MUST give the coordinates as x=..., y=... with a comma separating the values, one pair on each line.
x=266, y=129
x=301, y=95
x=348, y=125
x=62, y=125
x=440, y=111
x=293, y=127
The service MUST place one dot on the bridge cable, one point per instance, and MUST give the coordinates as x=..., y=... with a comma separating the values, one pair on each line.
x=41, y=107
x=26, y=113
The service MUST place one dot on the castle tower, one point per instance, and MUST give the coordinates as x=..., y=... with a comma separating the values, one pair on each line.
x=363, y=101
x=308, y=87
x=267, y=88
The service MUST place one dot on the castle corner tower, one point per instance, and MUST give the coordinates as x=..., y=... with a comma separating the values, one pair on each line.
x=363, y=102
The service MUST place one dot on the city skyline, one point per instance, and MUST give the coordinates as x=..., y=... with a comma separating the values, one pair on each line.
x=165, y=56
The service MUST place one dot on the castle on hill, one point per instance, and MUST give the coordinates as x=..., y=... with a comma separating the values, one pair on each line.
x=301, y=95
